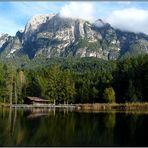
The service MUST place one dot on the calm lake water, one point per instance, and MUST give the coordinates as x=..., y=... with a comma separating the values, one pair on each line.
x=69, y=128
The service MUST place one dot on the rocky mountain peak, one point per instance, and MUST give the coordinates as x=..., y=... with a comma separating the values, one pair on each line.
x=34, y=23
x=3, y=34
x=52, y=35
x=37, y=20
x=100, y=23
x=3, y=38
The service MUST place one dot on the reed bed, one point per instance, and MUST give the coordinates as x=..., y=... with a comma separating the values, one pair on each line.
x=114, y=106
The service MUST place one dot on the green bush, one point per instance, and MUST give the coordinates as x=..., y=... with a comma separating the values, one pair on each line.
x=109, y=95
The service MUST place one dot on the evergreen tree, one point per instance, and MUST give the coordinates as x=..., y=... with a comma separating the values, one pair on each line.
x=33, y=87
x=131, y=93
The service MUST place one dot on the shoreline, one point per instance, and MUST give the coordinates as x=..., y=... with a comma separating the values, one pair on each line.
x=115, y=106
x=142, y=106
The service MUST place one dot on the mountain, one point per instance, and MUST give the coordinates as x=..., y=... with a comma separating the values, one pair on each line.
x=51, y=35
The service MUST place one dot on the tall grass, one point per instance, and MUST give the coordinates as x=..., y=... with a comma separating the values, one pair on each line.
x=115, y=106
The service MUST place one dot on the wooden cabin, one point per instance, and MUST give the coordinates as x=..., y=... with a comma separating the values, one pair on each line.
x=35, y=100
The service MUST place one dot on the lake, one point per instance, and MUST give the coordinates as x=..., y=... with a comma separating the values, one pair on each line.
x=62, y=127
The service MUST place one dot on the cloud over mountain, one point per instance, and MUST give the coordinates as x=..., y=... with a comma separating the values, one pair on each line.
x=129, y=16
x=81, y=10
x=130, y=19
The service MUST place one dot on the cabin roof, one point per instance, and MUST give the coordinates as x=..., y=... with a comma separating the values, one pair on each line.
x=36, y=99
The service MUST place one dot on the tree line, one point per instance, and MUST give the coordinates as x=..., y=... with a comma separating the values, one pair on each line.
x=83, y=80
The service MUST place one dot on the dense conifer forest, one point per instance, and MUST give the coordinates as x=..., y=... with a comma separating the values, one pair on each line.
x=76, y=80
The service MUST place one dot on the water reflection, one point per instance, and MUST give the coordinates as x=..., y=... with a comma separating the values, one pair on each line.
x=110, y=120
x=51, y=127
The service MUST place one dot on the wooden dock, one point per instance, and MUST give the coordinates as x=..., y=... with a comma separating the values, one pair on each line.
x=43, y=106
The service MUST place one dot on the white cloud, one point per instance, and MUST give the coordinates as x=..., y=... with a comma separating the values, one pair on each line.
x=131, y=19
x=83, y=10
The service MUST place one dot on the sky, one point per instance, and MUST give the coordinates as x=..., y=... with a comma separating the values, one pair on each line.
x=124, y=15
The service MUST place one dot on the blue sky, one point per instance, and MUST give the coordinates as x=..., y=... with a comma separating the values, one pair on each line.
x=130, y=16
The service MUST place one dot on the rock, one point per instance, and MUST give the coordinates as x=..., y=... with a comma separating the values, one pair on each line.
x=51, y=35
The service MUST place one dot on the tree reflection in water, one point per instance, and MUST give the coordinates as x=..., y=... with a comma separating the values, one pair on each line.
x=68, y=128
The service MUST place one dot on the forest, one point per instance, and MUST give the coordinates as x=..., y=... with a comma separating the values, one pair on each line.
x=77, y=80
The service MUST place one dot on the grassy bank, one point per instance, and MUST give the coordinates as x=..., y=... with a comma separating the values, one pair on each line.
x=93, y=107
x=114, y=106
x=4, y=104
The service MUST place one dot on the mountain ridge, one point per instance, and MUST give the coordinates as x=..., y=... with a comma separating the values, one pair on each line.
x=52, y=36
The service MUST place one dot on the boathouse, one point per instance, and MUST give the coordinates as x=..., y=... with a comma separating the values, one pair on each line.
x=35, y=100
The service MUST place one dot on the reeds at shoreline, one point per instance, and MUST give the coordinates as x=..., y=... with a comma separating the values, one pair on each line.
x=115, y=106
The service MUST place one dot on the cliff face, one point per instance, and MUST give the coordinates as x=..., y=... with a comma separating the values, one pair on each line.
x=53, y=36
